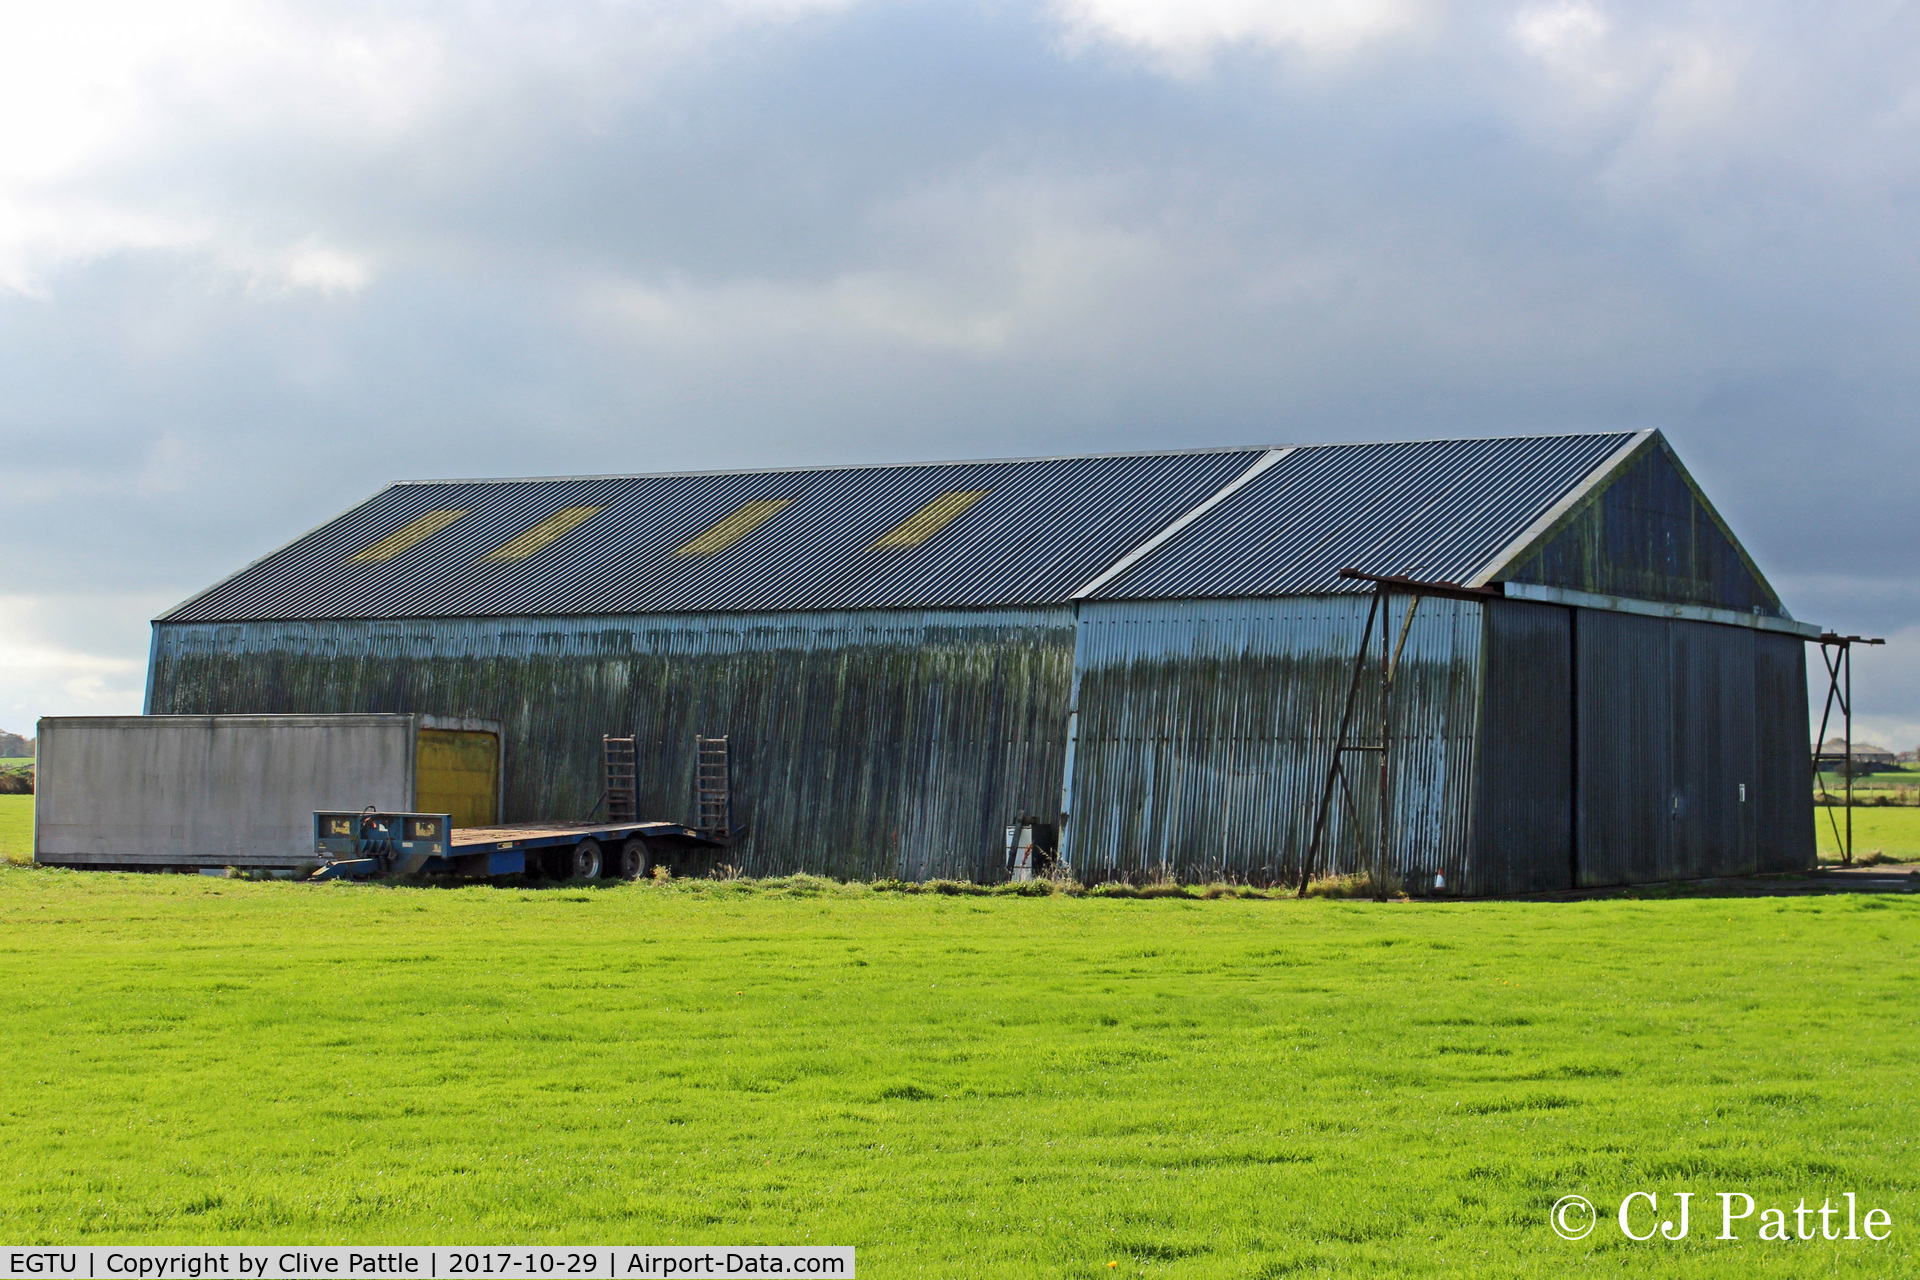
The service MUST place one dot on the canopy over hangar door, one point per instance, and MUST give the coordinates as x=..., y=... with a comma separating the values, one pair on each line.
x=457, y=771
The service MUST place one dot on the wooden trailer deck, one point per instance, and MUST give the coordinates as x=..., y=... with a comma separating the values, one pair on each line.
x=534, y=835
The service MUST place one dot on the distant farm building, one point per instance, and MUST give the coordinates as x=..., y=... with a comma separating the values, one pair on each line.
x=1834, y=752
x=1150, y=653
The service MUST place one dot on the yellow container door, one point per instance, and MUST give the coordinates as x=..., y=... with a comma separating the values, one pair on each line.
x=458, y=772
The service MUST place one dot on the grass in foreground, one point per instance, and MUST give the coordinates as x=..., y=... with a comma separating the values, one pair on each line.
x=16, y=828
x=983, y=1086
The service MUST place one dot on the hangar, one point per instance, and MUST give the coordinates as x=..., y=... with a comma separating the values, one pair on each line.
x=1154, y=657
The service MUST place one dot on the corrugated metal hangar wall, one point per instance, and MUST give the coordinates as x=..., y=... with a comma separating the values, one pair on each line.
x=865, y=744
x=1154, y=649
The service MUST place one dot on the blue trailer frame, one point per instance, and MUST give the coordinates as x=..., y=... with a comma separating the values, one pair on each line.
x=366, y=844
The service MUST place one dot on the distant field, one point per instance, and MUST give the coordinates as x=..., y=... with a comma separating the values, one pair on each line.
x=996, y=1087
x=1905, y=778
x=6, y=761
x=16, y=827
x=1893, y=831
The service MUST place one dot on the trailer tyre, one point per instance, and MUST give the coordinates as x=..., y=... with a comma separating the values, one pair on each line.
x=585, y=863
x=632, y=862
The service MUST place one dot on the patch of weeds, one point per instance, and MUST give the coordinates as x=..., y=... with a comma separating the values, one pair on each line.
x=1531, y=1102
x=1161, y=1250
x=1359, y=885
x=1574, y=1071
x=904, y=1091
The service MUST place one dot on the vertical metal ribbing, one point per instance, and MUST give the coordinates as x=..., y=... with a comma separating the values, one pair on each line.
x=1204, y=733
x=1073, y=735
x=153, y=667
x=826, y=714
x=1335, y=765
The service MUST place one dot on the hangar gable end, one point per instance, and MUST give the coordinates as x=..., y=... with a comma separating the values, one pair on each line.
x=1645, y=530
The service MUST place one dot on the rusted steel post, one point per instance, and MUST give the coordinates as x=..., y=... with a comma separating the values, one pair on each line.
x=1390, y=670
x=1386, y=729
x=1839, y=690
x=1389, y=656
x=1831, y=650
x=1339, y=745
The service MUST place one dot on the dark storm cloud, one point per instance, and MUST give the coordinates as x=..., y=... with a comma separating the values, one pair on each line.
x=597, y=238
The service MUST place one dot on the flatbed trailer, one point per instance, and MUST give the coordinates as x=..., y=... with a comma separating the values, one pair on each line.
x=360, y=845
x=627, y=849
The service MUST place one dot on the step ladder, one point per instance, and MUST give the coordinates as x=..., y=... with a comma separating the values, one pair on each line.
x=712, y=789
x=622, y=799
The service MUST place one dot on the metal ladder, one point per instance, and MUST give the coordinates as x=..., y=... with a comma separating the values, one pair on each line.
x=712, y=788
x=621, y=771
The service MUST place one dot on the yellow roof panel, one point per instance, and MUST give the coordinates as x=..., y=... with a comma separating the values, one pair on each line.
x=745, y=519
x=407, y=537
x=544, y=534
x=930, y=519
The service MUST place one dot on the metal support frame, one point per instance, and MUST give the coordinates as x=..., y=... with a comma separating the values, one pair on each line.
x=1336, y=767
x=1836, y=655
x=1385, y=586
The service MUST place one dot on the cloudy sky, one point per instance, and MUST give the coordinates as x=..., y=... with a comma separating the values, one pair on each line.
x=257, y=259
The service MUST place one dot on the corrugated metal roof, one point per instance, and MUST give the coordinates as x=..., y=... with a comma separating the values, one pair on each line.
x=939, y=535
x=1432, y=509
x=842, y=538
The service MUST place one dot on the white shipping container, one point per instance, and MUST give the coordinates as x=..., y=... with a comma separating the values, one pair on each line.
x=214, y=791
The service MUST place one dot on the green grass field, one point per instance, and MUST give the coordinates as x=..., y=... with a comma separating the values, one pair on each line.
x=16, y=828
x=1889, y=830
x=956, y=1085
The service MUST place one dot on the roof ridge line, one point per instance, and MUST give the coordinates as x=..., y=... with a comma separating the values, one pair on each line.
x=848, y=466
x=983, y=462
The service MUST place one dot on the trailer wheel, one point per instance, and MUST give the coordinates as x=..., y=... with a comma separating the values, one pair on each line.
x=585, y=863
x=632, y=862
